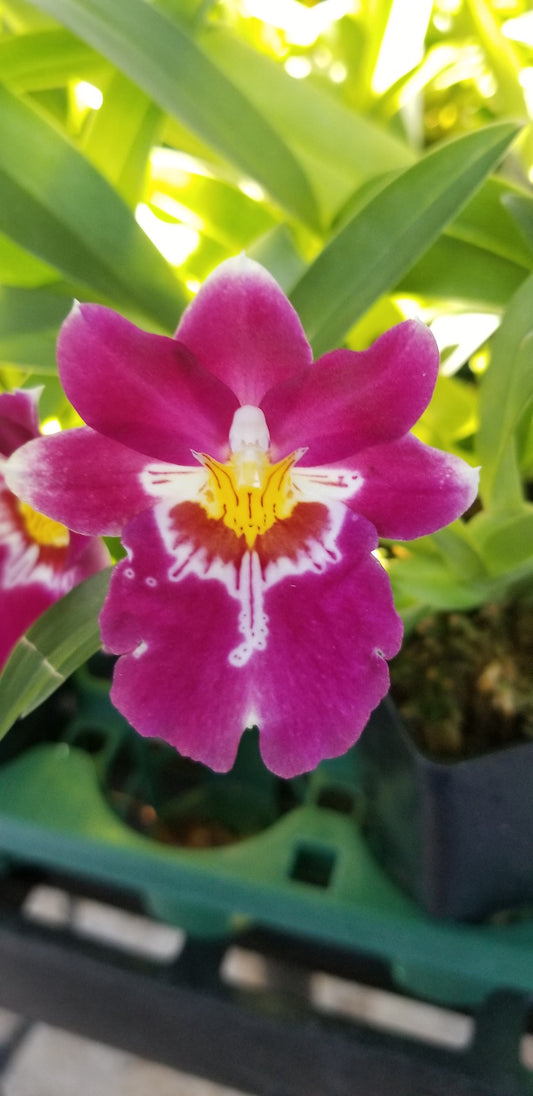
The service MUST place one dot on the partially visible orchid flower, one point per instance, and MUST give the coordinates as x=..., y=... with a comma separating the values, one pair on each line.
x=40, y=560
x=250, y=486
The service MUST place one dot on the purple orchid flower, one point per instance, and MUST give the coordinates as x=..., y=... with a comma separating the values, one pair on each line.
x=40, y=560
x=250, y=486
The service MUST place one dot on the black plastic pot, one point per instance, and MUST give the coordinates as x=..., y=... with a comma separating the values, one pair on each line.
x=457, y=836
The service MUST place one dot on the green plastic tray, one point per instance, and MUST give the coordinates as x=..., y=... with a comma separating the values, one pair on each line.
x=306, y=871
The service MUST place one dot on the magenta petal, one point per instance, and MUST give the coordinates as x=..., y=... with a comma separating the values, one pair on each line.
x=78, y=477
x=324, y=668
x=174, y=680
x=311, y=688
x=407, y=489
x=146, y=391
x=18, y=418
x=31, y=579
x=350, y=399
x=19, y=608
x=241, y=327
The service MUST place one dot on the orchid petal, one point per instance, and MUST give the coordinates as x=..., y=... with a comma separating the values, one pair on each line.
x=310, y=686
x=408, y=489
x=143, y=390
x=20, y=606
x=351, y=399
x=324, y=669
x=33, y=576
x=90, y=483
x=18, y=418
x=243, y=329
x=174, y=680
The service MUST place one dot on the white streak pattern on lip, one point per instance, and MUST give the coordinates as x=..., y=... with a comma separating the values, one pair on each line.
x=245, y=579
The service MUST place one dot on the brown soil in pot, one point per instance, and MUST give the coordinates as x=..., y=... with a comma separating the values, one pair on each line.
x=463, y=682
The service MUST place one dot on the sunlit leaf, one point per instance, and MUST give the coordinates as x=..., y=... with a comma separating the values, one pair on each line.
x=487, y=221
x=19, y=268
x=506, y=393
x=341, y=149
x=502, y=57
x=47, y=59
x=22, y=15
x=162, y=58
x=456, y=272
x=121, y=134
x=59, y=207
x=224, y=210
x=64, y=637
x=451, y=415
x=520, y=207
x=506, y=544
x=384, y=238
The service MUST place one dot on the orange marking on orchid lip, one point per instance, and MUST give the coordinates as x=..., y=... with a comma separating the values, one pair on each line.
x=42, y=530
x=248, y=494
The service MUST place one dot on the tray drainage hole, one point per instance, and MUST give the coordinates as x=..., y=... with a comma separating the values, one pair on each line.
x=313, y=864
x=336, y=799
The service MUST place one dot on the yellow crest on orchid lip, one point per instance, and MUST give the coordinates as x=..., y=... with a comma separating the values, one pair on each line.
x=248, y=493
x=42, y=530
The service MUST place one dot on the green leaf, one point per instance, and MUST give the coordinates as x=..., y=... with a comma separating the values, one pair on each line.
x=162, y=58
x=64, y=637
x=47, y=59
x=29, y=322
x=509, y=98
x=451, y=415
x=506, y=544
x=19, y=268
x=452, y=270
x=384, y=238
x=229, y=215
x=57, y=205
x=340, y=148
x=21, y=15
x=120, y=135
x=506, y=392
x=502, y=58
x=520, y=207
x=426, y=580
x=30, y=311
x=487, y=222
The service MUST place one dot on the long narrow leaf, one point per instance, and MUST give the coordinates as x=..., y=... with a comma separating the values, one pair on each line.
x=384, y=238
x=47, y=59
x=161, y=57
x=506, y=390
x=120, y=136
x=54, y=203
x=64, y=637
x=341, y=148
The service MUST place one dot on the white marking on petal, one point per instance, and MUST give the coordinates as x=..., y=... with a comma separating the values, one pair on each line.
x=246, y=581
x=140, y=649
x=172, y=482
x=151, y=581
x=314, y=555
x=129, y=572
x=253, y=621
x=327, y=484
